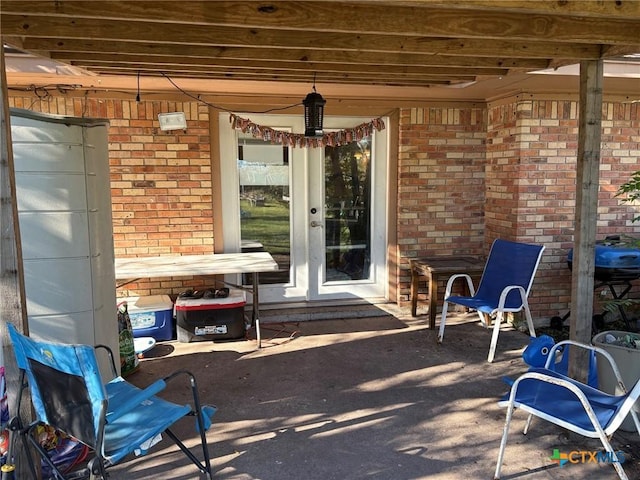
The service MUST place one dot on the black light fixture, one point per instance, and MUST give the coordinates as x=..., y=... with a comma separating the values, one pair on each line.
x=313, y=113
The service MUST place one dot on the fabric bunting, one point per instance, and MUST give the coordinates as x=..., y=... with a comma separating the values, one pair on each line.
x=331, y=139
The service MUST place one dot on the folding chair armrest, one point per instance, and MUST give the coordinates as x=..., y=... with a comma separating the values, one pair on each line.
x=178, y=373
x=600, y=351
x=192, y=382
x=138, y=396
x=455, y=277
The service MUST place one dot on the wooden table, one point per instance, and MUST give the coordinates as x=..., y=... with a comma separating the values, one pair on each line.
x=194, y=265
x=439, y=268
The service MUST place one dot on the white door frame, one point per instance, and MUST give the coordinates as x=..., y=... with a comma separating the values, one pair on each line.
x=307, y=182
x=376, y=286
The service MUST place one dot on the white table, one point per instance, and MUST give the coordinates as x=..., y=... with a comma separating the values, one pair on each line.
x=131, y=269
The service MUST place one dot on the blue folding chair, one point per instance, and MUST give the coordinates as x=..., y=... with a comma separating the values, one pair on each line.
x=580, y=408
x=114, y=419
x=504, y=287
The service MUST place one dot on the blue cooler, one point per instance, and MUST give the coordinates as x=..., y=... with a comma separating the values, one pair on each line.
x=151, y=316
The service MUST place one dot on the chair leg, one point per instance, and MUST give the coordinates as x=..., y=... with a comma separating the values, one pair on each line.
x=503, y=441
x=18, y=432
x=527, y=315
x=97, y=469
x=205, y=465
x=528, y=424
x=205, y=447
x=443, y=320
x=206, y=468
x=494, y=337
x=609, y=449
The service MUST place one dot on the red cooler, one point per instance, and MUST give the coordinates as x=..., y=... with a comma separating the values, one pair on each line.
x=206, y=318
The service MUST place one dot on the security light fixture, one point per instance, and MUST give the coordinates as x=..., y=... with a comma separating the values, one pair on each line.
x=172, y=121
x=313, y=113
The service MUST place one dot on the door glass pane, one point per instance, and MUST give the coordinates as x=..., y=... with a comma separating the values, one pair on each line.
x=264, y=203
x=348, y=211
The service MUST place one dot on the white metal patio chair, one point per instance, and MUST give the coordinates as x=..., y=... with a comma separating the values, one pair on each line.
x=573, y=405
x=504, y=287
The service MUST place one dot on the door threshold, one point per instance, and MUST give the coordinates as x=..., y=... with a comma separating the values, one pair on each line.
x=324, y=303
x=326, y=310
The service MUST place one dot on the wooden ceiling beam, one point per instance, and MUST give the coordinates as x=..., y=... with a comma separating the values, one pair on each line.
x=286, y=76
x=350, y=17
x=321, y=18
x=444, y=40
x=380, y=63
x=610, y=51
x=113, y=31
x=277, y=76
x=248, y=71
x=359, y=45
x=600, y=9
x=170, y=63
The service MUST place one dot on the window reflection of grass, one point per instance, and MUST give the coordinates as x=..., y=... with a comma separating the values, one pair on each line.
x=267, y=224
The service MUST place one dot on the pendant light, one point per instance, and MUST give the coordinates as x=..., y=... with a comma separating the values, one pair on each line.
x=313, y=113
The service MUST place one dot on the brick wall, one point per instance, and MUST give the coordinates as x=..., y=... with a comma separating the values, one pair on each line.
x=543, y=188
x=160, y=180
x=457, y=195
x=531, y=174
x=502, y=170
x=466, y=175
x=441, y=184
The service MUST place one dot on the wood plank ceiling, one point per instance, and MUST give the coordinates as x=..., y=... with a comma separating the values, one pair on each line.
x=369, y=42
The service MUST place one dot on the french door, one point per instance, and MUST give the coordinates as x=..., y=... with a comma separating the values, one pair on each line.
x=321, y=212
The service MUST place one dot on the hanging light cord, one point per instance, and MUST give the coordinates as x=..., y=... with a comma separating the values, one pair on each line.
x=138, y=95
x=218, y=107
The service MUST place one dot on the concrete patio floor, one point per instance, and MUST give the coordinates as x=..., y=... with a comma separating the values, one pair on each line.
x=366, y=398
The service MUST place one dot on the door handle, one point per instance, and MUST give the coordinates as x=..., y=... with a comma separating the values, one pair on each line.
x=315, y=224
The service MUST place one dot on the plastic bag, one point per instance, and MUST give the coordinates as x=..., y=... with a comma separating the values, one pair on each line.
x=65, y=451
x=129, y=361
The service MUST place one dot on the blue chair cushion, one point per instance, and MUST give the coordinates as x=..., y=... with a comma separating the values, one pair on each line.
x=125, y=434
x=480, y=304
x=558, y=402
